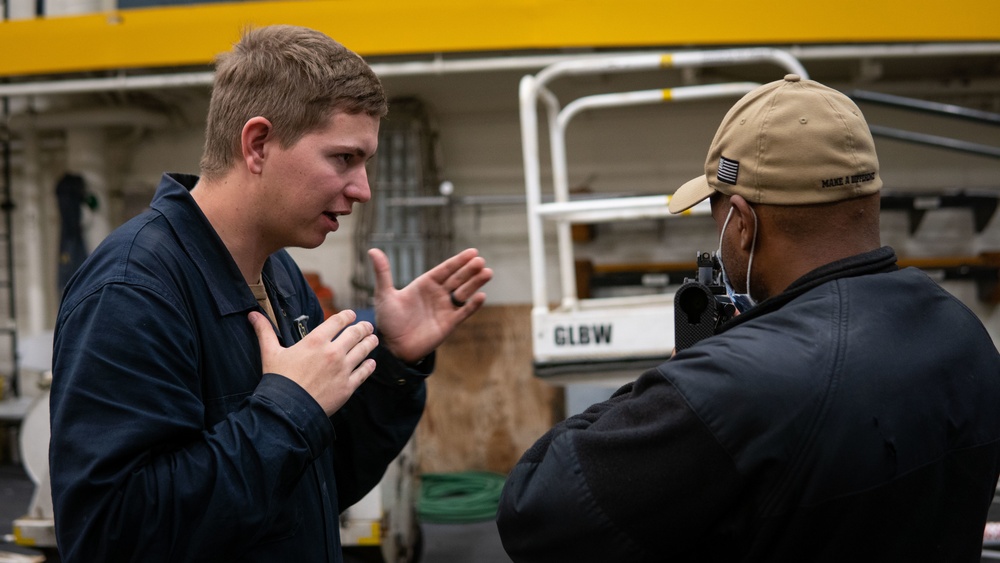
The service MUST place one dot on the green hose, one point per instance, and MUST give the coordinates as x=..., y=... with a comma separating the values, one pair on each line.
x=468, y=496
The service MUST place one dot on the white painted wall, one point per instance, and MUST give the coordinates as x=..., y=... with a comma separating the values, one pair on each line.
x=648, y=149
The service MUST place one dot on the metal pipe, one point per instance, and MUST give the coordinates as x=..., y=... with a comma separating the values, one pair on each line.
x=439, y=66
x=90, y=118
x=557, y=123
x=937, y=141
x=557, y=139
x=31, y=232
x=680, y=93
x=909, y=50
x=7, y=207
x=502, y=199
x=948, y=110
x=533, y=192
x=616, y=209
x=560, y=183
x=110, y=84
x=20, y=9
x=569, y=209
x=780, y=57
x=682, y=59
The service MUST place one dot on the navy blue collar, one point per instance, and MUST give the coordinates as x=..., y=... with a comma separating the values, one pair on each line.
x=207, y=251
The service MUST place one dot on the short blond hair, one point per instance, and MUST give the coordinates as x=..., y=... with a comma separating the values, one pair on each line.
x=293, y=76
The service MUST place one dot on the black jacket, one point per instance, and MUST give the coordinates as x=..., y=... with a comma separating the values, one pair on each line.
x=854, y=417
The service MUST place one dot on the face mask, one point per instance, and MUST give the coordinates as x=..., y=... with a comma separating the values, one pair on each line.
x=743, y=301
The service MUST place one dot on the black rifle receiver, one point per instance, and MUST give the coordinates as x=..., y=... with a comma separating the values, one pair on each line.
x=701, y=305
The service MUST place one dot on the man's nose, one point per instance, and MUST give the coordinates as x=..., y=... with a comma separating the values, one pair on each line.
x=359, y=189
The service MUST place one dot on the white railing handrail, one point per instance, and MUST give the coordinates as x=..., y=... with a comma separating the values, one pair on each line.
x=615, y=209
x=534, y=89
x=639, y=97
x=680, y=59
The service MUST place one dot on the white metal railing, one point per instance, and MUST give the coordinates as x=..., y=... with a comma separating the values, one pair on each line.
x=534, y=91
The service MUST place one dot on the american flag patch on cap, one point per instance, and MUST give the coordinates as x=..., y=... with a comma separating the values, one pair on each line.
x=729, y=170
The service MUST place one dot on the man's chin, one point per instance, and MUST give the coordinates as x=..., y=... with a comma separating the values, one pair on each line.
x=312, y=242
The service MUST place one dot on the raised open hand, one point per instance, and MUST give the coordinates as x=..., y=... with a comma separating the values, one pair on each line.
x=414, y=320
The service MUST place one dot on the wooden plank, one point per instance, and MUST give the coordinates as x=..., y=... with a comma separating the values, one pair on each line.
x=484, y=405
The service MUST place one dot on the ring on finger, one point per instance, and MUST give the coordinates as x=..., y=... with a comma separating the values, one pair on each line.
x=458, y=303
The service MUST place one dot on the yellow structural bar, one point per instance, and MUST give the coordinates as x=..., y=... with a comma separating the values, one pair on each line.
x=375, y=538
x=22, y=539
x=193, y=34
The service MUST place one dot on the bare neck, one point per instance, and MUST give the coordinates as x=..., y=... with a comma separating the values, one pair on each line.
x=780, y=271
x=232, y=214
x=796, y=241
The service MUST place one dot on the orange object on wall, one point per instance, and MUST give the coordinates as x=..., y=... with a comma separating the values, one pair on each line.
x=323, y=292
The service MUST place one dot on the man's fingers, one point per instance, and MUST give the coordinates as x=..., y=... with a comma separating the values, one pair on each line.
x=360, y=348
x=456, y=263
x=265, y=334
x=361, y=373
x=469, y=280
x=468, y=283
x=331, y=327
x=380, y=265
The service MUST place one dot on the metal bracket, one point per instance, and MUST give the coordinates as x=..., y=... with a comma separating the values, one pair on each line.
x=983, y=206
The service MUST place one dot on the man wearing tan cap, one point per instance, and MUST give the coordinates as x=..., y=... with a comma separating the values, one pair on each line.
x=849, y=413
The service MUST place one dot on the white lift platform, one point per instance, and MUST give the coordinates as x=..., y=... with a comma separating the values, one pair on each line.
x=604, y=335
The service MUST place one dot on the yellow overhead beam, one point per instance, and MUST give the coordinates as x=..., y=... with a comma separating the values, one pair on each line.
x=193, y=34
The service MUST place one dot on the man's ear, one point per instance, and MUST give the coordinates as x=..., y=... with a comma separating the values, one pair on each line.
x=256, y=134
x=745, y=221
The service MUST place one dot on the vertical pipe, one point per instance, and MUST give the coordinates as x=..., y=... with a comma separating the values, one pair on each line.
x=20, y=9
x=33, y=320
x=560, y=184
x=415, y=243
x=7, y=206
x=533, y=190
x=418, y=216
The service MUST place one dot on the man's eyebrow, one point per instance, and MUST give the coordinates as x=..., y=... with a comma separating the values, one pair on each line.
x=354, y=150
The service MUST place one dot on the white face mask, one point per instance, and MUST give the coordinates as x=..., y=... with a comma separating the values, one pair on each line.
x=743, y=301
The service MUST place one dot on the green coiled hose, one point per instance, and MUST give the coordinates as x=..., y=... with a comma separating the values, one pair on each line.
x=467, y=496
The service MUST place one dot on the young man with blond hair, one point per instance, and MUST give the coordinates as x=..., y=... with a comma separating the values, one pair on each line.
x=202, y=409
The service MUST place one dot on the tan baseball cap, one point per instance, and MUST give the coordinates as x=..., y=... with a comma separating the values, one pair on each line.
x=789, y=142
